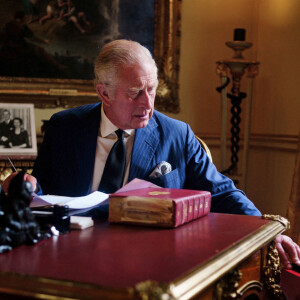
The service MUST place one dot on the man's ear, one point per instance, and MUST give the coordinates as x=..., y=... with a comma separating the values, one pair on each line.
x=103, y=93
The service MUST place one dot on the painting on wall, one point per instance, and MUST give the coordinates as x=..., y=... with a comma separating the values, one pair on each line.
x=61, y=38
x=51, y=44
x=17, y=129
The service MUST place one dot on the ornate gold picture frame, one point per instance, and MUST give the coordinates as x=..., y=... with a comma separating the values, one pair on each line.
x=53, y=93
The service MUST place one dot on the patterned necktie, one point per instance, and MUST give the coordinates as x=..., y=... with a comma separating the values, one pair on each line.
x=113, y=174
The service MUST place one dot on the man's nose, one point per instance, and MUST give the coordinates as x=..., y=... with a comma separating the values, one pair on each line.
x=146, y=101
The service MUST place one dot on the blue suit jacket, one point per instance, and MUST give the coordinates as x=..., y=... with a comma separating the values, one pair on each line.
x=65, y=162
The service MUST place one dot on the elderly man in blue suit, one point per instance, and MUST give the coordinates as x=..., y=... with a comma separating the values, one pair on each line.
x=78, y=141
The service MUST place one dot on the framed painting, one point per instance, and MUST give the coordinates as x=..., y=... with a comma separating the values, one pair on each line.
x=17, y=130
x=47, y=48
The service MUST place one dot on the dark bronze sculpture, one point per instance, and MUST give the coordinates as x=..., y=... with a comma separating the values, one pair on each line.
x=17, y=223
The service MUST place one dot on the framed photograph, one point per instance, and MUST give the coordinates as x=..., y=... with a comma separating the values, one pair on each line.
x=17, y=130
x=48, y=48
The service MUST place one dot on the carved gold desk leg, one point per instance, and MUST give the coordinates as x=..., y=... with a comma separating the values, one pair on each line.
x=227, y=286
x=272, y=273
x=151, y=290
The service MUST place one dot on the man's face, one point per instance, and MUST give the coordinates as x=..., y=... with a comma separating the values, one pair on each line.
x=6, y=115
x=132, y=103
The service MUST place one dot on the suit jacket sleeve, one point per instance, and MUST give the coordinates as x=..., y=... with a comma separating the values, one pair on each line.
x=174, y=141
x=226, y=198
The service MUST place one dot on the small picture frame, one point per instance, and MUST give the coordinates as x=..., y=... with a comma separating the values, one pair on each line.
x=17, y=129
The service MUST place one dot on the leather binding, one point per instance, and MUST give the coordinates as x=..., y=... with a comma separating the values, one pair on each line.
x=162, y=207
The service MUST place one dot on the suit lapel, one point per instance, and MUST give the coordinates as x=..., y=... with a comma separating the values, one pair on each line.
x=145, y=144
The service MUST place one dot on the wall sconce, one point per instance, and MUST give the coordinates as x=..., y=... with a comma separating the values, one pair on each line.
x=235, y=68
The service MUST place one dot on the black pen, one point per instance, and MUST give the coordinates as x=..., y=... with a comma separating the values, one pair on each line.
x=15, y=170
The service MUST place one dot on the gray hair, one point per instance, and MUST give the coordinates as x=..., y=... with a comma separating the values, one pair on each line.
x=116, y=54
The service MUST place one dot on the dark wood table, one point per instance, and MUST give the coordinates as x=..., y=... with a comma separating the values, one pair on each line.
x=216, y=254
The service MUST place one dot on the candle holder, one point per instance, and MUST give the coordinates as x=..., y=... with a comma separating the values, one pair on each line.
x=235, y=68
x=238, y=47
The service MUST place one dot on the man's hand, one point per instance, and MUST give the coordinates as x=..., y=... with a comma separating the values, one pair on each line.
x=288, y=251
x=27, y=177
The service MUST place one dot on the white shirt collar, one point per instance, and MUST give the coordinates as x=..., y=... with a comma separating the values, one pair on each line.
x=107, y=127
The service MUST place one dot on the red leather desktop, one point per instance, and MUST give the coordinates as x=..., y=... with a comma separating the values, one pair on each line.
x=112, y=259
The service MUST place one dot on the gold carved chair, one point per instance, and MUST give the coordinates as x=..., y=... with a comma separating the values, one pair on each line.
x=205, y=147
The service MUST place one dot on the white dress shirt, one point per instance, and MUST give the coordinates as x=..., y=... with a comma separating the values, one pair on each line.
x=105, y=140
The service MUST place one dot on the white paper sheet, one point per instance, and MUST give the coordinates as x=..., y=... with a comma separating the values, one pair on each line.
x=90, y=200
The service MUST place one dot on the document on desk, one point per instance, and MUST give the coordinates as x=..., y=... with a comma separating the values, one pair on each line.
x=88, y=201
x=93, y=199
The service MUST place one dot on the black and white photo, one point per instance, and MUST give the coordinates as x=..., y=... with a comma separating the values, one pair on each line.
x=17, y=129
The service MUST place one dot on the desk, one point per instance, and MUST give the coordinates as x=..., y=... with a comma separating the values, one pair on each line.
x=112, y=261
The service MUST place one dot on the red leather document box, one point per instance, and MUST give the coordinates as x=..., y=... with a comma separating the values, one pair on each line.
x=162, y=207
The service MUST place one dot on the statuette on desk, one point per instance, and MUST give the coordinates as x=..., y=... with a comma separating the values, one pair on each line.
x=17, y=223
